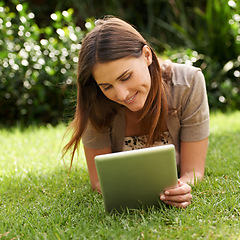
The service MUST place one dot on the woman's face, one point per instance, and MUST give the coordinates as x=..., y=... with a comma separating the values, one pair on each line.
x=127, y=80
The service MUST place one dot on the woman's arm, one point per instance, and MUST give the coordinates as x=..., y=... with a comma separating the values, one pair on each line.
x=193, y=156
x=90, y=154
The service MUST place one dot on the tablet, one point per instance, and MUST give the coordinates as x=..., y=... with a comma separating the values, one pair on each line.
x=136, y=178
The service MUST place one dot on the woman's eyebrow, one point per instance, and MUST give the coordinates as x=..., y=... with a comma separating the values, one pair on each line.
x=122, y=74
x=103, y=84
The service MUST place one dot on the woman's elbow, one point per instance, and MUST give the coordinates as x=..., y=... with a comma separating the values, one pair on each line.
x=96, y=187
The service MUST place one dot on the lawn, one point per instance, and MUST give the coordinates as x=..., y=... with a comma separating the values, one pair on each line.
x=39, y=201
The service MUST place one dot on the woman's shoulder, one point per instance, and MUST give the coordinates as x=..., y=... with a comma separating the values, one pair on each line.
x=179, y=74
x=184, y=75
x=185, y=80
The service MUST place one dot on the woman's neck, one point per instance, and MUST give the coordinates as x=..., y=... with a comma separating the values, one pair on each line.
x=133, y=126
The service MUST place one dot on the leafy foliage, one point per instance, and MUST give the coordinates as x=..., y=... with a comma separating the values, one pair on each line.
x=37, y=65
x=214, y=33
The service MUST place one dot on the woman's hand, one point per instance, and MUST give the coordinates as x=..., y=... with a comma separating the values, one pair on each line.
x=179, y=196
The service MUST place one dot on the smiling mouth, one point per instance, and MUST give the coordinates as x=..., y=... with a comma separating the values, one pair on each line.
x=130, y=100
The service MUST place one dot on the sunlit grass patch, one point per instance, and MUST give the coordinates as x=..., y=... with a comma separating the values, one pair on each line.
x=38, y=200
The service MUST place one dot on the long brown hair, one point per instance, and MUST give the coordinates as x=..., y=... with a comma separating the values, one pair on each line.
x=113, y=39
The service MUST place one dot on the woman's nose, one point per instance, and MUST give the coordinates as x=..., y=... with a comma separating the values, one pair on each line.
x=121, y=93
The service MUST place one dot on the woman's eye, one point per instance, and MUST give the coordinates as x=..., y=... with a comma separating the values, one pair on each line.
x=127, y=77
x=107, y=87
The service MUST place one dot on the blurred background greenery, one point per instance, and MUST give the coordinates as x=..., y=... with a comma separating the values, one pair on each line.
x=40, y=41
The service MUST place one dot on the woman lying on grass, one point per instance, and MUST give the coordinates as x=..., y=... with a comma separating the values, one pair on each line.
x=130, y=99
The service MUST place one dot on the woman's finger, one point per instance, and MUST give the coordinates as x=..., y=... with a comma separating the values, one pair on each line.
x=182, y=189
x=177, y=198
x=177, y=204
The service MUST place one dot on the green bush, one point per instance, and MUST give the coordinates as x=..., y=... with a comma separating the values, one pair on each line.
x=214, y=35
x=37, y=65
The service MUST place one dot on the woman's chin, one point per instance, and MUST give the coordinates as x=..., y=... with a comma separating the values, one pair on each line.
x=134, y=108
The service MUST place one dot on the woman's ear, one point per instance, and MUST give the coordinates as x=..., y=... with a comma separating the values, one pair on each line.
x=147, y=54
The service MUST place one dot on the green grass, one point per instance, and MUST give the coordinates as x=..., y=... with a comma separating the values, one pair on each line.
x=39, y=201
